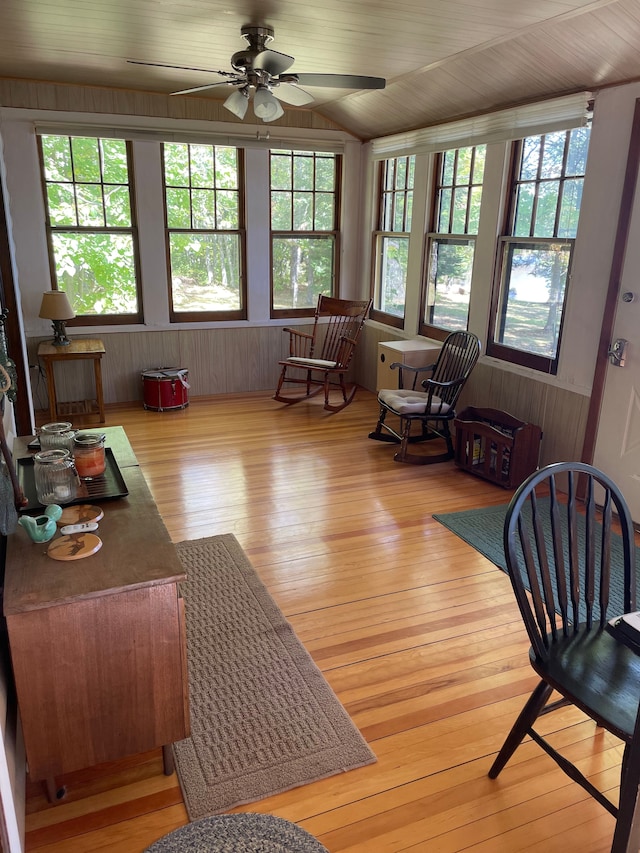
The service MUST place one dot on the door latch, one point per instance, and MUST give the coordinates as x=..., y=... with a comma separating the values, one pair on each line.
x=617, y=352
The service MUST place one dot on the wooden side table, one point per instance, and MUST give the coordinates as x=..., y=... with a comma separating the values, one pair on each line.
x=89, y=348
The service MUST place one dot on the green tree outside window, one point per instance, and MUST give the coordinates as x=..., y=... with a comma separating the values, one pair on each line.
x=304, y=228
x=204, y=230
x=90, y=225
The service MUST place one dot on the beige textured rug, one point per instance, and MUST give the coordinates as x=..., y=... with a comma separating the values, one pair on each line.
x=263, y=718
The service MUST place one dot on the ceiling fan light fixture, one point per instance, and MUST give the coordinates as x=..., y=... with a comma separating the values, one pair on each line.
x=237, y=103
x=265, y=106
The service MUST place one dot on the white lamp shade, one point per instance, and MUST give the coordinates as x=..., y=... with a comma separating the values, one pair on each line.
x=56, y=306
x=265, y=106
x=237, y=103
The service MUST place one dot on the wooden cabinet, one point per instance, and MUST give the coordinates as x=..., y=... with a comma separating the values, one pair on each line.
x=98, y=645
x=496, y=446
x=418, y=352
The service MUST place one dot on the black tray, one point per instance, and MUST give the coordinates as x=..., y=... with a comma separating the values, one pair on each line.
x=108, y=486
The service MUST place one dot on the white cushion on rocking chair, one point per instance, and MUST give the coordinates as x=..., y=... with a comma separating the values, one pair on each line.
x=312, y=362
x=406, y=402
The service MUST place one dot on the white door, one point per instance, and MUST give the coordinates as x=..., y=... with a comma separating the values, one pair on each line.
x=617, y=449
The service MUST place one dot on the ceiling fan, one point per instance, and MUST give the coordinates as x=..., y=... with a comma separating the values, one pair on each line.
x=263, y=72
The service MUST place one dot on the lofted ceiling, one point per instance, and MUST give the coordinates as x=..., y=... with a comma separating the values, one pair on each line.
x=442, y=59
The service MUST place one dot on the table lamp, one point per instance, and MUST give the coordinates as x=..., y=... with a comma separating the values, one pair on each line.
x=57, y=308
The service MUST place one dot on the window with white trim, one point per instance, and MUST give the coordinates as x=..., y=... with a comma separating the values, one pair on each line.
x=205, y=231
x=450, y=245
x=305, y=217
x=536, y=250
x=391, y=239
x=90, y=222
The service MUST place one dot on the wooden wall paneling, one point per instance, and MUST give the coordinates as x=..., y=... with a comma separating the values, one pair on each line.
x=226, y=361
x=477, y=389
x=121, y=382
x=564, y=425
x=146, y=351
x=561, y=414
x=258, y=361
x=89, y=99
x=236, y=360
x=152, y=349
x=219, y=361
x=202, y=353
x=523, y=395
x=270, y=348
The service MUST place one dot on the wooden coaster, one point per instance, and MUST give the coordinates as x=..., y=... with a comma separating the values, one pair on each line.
x=75, y=546
x=80, y=514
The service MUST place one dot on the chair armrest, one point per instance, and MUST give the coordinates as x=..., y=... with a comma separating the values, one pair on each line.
x=416, y=371
x=300, y=343
x=436, y=389
x=432, y=385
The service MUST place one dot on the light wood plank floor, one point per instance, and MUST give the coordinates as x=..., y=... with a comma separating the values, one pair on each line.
x=416, y=632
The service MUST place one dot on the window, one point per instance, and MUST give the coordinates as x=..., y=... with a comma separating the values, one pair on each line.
x=451, y=244
x=536, y=253
x=205, y=231
x=305, y=211
x=391, y=240
x=91, y=227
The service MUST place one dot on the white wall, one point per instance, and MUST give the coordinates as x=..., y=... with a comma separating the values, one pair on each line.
x=608, y=149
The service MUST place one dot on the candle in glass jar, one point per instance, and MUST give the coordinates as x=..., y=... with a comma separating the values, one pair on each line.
x=89, y=455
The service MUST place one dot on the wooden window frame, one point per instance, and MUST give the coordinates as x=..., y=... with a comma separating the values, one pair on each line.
x=240, y=313
x=437, y=234
x=95, y=319
x=332, y=235
x=388, y=196
x=499, y=302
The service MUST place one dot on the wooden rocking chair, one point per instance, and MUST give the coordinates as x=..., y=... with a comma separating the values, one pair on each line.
x=432, y=409
x=324, y=356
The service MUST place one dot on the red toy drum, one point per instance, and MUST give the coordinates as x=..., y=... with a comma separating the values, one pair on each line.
x=165, y=388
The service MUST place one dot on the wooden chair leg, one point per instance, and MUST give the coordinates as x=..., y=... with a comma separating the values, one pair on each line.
x=626, y=838
x=526, y=718
x=401, y=455
x=377, y=433
x=326, y=390
x=280, y=383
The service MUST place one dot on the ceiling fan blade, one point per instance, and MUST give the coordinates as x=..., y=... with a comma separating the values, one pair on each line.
x=341, y=81
x=203, y=88
x=291, y=94
x=272, y=62
x=180, y=67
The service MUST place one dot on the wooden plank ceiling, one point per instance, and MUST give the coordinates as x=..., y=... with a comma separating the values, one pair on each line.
x=442, y=59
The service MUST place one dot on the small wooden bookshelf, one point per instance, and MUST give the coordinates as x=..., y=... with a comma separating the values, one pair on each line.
x=496, y=446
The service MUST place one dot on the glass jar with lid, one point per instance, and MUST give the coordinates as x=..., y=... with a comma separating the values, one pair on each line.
x=89, y=454
x=59, y=434
x=55, y=477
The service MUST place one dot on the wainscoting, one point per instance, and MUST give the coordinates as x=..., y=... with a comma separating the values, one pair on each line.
x=233, y=360
x=561, y=414
x=219, y=361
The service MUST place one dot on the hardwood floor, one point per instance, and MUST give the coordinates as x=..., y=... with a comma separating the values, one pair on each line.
x=416, y=632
